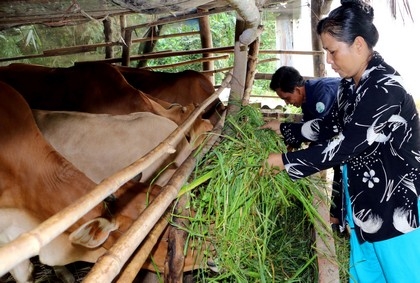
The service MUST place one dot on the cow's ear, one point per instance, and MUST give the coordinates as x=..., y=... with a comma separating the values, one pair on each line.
x=93, y=233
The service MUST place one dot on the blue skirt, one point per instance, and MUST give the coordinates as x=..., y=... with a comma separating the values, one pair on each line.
x=396, y=260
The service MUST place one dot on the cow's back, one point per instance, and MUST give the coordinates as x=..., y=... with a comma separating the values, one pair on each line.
x=101, y=144
x=94, y=88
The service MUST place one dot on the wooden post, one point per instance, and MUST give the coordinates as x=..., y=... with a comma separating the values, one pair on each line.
x=175, y=259
x=125, y=57
x=206, y=42
x=328, y=271
x=254, y=49
x=148, y=46
x=108, y=37
x=284, y=39
x=239, y=69
x=319, y=60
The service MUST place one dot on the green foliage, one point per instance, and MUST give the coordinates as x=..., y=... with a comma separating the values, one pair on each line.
x=34, y=39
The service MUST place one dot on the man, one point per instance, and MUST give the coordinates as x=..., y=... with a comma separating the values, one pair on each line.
x=315, y=97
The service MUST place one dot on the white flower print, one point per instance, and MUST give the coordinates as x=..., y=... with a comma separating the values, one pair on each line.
x=370, y=178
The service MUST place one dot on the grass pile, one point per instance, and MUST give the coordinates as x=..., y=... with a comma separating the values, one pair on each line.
x=260, y=224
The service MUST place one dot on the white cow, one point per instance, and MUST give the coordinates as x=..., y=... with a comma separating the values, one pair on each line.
x=102, y=144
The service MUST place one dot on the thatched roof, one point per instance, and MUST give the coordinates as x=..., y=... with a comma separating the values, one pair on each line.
x=68, y=12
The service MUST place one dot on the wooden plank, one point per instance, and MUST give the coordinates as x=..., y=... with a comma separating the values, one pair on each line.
x=328, y=271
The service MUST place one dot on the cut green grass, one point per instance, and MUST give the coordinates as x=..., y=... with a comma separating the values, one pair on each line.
x=260, y=224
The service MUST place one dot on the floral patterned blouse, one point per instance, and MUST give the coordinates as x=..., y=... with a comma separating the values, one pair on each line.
x=377, y=134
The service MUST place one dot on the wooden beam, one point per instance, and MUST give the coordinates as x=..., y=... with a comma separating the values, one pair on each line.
x=189, y=62
x=176, y=19
x=138, y=40
x=268, y=76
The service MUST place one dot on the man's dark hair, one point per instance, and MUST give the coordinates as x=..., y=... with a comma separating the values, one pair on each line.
x=287, y=79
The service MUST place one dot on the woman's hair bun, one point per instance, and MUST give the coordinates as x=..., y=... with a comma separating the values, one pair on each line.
x=359, y=4
x=343, y=2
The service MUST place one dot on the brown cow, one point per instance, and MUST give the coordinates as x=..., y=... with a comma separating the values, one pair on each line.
x=37, y=182
x=89, y=87
x=184, y=87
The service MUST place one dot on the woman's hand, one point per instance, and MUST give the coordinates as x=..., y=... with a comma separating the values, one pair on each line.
x=272, y=125
x=274, y=163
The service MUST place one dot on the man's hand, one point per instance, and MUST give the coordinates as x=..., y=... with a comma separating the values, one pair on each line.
x=272, y=125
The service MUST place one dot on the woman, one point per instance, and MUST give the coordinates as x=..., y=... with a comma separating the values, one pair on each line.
x=377, y=143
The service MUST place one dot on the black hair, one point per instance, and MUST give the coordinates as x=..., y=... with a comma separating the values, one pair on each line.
x=353, y=18
x=286, y=78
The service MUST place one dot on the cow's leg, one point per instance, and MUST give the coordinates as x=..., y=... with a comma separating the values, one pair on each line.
x=22, y=272
x=64, y=274
x=146, y=276
x=11, y=226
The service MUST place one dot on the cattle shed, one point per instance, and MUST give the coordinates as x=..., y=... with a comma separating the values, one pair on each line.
x=122, y=261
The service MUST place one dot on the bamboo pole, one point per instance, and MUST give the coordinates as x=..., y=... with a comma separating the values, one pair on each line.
x=109, y=265
x=131, y=270
x=189, y=62
x=227, y=69
x=182, y=34
x=141, y=255
x=267, y=76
